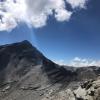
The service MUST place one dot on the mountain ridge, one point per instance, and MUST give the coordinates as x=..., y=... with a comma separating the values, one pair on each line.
x=24, y=69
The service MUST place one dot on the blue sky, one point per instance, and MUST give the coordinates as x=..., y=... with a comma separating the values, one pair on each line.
x=78, y=37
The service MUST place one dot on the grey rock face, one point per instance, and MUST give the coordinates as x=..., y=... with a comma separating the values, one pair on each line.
x=81, y=93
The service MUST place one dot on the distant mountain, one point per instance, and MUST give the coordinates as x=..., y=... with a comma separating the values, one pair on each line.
x=26, y=71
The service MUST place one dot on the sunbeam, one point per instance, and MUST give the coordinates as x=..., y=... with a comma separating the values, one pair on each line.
x=33, y=39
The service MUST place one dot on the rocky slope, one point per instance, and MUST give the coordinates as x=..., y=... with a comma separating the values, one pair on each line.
x=89, y=90
x=26, y=74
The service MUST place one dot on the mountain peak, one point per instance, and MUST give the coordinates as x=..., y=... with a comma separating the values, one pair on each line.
x=23, y=67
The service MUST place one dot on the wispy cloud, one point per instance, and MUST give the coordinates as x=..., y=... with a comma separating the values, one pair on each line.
x=60, y=62
x=35, y=12
x=79, y=62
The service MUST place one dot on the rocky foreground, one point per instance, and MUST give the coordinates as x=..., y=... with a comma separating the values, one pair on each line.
x=89, y=90
x=26, y=74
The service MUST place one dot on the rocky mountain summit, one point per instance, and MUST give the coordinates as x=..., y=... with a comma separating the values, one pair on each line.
x=26, y=74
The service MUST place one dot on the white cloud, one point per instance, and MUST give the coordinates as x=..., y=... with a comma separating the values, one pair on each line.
x=77, y=3
x=79, y=62
x=7, y=22
x=34, y=12
x=63, y=15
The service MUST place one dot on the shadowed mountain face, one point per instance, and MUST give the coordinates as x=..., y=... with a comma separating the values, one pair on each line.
x=17, y=59
x=22, y=66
